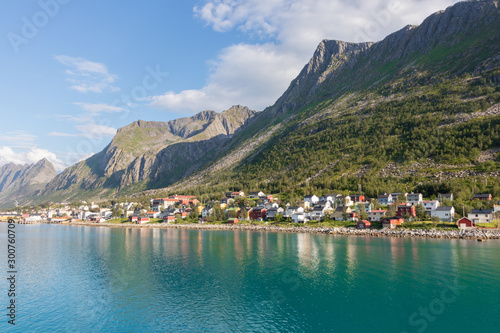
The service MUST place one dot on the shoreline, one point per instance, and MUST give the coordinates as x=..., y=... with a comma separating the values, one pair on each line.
x=481, y=234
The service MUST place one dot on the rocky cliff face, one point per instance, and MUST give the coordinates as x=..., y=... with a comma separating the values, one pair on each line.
x=149, y=154
x=19, y=182
x=337, y=67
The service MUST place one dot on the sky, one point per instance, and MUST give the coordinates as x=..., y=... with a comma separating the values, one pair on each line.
x=75, y=71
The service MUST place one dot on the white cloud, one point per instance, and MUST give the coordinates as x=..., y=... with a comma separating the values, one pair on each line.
x=257, y=74
x=88, y=127
x=18, y=139
x=99, y=107
x=95, y=131
x=243, y=74
x=35, y=154
x=88, y=76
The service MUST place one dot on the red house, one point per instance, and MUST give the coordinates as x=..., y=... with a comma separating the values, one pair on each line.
x=133, y=218
x=466, y=224
x=481, y=197
x=168, y=218
x=364, y=224
x=406, y=209
x=143, y=219
x=392, y=222
x=232, y=220
x=257, y=213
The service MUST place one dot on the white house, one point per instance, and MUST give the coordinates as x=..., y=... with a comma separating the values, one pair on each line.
x=376, y=214
x=206, y=212
x=385, y=199
x=274, y=211
x=445, y=213
x=319, y=212
x=300, y=217
x=415, y=199
x=256, y=195
x=481, y=216
x=292, y=210
x=341, y=200
x=430, y=205
x=310, y=200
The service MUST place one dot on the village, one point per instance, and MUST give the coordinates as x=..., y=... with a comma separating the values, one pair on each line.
x=388, y=211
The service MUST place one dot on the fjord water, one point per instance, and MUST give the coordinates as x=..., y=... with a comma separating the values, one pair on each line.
x=95, y=279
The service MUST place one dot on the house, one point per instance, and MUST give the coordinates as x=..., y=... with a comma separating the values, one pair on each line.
x=338, y=213
x=267, y=198
x=400, y=196
x=319, y=212
x=496, y=209
x=481, y=215
x=357, y=198
x=353, y=216
x=385, y=199
x=257, y=213
x=153, y=214
x=466, y=224
x=232, y=220
x=481, y=197
x=363, y=207
x=256, y=195
x=430, y=205
x=406, y=209
x=168, y=218
x=392, y=222
x=235, y=195
x=300, y=217
x=292, y=210
x=445, y=213
x=341, y=200
x=415, y=198
x=376, y=215
x=225, y=201
x=363, y=224
x=445, y=197
x=142, y=219
x=133, y=218
x=328, y=197
x=95, y=219
x=310, y=200
x=205, y=212
x=273, y=212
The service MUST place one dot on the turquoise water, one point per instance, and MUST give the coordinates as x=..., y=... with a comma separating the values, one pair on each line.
x=84, y=279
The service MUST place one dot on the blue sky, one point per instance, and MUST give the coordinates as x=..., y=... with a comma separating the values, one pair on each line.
x=74, y=71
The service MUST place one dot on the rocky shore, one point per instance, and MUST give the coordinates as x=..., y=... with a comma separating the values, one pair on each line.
x=481, y=234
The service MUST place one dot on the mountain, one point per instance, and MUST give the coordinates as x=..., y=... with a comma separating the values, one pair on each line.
x=417, y=111
x=20, y=182
x=150, y=154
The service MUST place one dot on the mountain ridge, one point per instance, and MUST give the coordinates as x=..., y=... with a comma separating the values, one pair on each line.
x=410, y=84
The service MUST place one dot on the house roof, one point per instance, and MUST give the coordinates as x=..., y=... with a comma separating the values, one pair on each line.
x=482, y=195
x=481, y=211
x=444, y=209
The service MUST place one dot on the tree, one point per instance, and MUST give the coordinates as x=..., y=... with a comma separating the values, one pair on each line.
x=420, y=211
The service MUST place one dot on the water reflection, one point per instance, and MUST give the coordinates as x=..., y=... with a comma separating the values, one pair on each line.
x=100, y=279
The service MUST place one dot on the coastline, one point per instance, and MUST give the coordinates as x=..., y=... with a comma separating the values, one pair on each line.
x=481, y=234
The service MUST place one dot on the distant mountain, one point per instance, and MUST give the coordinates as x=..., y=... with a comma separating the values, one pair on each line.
x=149, y=154
x=20, y=182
